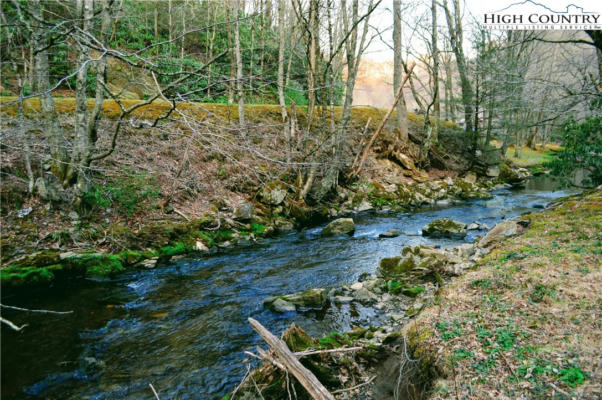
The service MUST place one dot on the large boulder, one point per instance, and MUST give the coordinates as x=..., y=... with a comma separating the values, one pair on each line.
x=273, y=193
x=341, y=226
x=446, y=228
x=510, y=175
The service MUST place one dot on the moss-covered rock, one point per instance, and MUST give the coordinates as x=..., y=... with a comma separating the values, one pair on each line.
x=13, y=276
x=341, y=226
x=312, y=298
x=395, y=266
x=509, y=175
x=273, y=193
x=37, y=259
x=445, y=227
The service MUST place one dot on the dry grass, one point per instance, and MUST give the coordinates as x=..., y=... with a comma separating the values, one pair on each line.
x=525, y=323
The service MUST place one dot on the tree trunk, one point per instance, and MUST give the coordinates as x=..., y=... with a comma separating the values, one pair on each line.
x=81, y=147
x=281, y=100
x=435, y=55
x=58, y=145
x=232, y=53
x=402, y=112
x=239, y=82
x=454, y=24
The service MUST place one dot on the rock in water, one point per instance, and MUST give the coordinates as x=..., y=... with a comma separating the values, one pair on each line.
x=446, y=228
x=391, y=233
x=341, y=226
x=281, y=306
x=312, y=298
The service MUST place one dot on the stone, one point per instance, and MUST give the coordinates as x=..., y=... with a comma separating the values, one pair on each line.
x=273, y=193
x=150, y=263
x=365, y=296
x=465, y=250
x=474, y=226
x=470, y=177
x=24, y=212
x=391, y=233
x=341, y=226
x=500, y=231
x=342, y=299
x=47, y=188
x=357, y=286
x=461, y=267
x=244, y=212
x=509, y=175
x=493, y=172
x=364, y=206
x=200, y=246
x=283, y=225
x=66, y=255
x=445, y=227
x=282, y=306
x=312, y=298
x=74, y=216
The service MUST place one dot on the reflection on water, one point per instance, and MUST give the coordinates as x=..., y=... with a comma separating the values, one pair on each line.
x=183, y=327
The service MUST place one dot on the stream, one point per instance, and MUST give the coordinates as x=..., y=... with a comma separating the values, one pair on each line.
x=183, y=327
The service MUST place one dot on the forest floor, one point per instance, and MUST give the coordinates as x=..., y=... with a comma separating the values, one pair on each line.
x=526, y=322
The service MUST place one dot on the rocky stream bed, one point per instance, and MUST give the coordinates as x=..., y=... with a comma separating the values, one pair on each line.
x=182, y=325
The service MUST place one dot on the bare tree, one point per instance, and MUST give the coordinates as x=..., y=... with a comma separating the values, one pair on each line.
x=402, y=112
x=456, y=36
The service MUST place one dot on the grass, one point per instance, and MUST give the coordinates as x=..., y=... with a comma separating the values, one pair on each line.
x=525, y=322
x=528, y=158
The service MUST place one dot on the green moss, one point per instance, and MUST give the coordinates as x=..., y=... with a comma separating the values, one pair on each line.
x=131, y=257
x=37, y=259
x=296, y=339
x=101, y=265
x=413, y=292
x=18, y=276
x=176, y=249
x=334, y=340
x=395, y=266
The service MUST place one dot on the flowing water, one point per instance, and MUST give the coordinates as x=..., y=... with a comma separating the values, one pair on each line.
x=183, y=327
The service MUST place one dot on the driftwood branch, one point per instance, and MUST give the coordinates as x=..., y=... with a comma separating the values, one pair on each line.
x=382, y=123
x=339, y=350
x=11, y=325
x=35, y=311
x=292, y=364
x=154, y=391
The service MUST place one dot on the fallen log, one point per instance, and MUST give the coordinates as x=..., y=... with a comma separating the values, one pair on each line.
x=292, y=364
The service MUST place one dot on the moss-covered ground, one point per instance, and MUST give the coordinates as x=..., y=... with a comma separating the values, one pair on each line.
x=525, y=323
